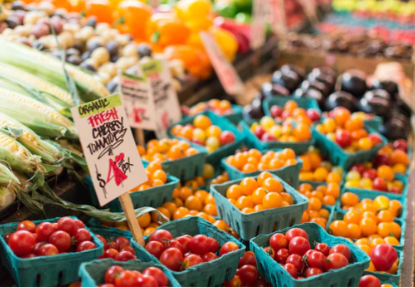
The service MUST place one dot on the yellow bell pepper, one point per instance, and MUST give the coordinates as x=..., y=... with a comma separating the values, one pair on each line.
x=226, y=41
x=193, y=9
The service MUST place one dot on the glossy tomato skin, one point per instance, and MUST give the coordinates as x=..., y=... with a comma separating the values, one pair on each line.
x=247, y=259
x=290, y=268
x=82, y=235
x=369, y=281
x=234, y=282
x=147, y=281
x=126, y=279
x=297, y=261
x=383, y=256
x=207, y=257
x=184, y=241
x=312, y=271
x=109, y=253
x=22, y=242
x=173, y=244
x=342, y=249
x=323, y=248
x=157, y=274
x=7, y=237
x=270, y=252
x=103, y=240
x=172, y=258
x=47, y=250
x=228, y=247
x=111, y=273
x=199, y=244
x=160, y=235
x=336, y=261
x=67, y=224
x=155, y=248
x=78, y=224
x=316, y=259
x=27, y=225
x=44, y=230
x=295, y=232
x=248, y=274
x=213, y=245
x=125, y=256
x=122, y=242
x=191, y=260
x=299, y=245
x=278, y=241
x=128, y=249
x=86, y=245
x=282, y=255
x=61, y=240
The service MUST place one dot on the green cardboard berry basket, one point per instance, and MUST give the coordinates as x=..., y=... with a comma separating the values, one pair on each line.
x=289, y=174
x=49, y=271
x=234, y=118
x=110, y=233
x=304, y=103
x=253, y=142
x=226, y=150
x=266, y=221
x=339, y=214
x=207, y=274
x=92, y=274
x=339, y=157
x=372, y=194
x=390, y=278
x=374, y=123
x=274, y=272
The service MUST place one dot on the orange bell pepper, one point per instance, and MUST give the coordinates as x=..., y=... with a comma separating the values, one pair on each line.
x=195, y=60
x=134, y=15
x=166, y=30
x=100, y=9
x=193, y=9
x=77, y=6
x=226, y=41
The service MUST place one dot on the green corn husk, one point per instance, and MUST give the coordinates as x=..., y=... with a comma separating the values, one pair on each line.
x=17, y=156
x=24, y=83
x=7, y=178
x=7, y=197
x=50, y=69
x=39, y=117
x=48, y=153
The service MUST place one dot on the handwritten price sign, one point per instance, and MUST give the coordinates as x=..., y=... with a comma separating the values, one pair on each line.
x=260, y=16
x=230, y=80
x=109, y=147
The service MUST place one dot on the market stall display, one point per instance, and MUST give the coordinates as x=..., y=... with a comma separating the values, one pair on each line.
x=307, y=185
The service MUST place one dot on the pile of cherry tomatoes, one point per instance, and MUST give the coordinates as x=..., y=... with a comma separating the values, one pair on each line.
x=116, y=276
x=119, y=249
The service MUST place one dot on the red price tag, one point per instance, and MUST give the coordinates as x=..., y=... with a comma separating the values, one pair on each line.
x=230, y=80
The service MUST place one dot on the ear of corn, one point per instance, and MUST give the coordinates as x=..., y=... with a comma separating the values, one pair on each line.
x=7, y=178
x=17, y=156
x=7, y=197
x=17, y=80
x=49, y=153
x=37, y=116
x=50, y=69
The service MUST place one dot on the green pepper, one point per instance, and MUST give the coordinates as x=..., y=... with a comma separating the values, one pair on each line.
x=224, y=9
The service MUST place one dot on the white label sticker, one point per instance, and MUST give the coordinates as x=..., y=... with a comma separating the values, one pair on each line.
x=166, y=104
x=230, y=80
x=137, y=97
x=109, y=147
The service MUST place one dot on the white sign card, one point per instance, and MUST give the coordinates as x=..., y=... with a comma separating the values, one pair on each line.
x=260, y=16
x=109, y=147
x=279, y=22
x=166, y=104
x=137, y=97
x=230, y=80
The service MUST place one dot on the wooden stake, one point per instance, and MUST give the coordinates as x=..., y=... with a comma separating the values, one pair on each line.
x=128, y=208
x=139, y=135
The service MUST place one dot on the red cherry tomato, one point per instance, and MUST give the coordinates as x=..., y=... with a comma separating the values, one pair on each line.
x=295, y=232
x=7, y=237
x=128, y=249
x=126, y=278
x=157, y=274
x=111, y=273
x=342, y=249
x=383, y=256
x=106, y=285
x=78, y=224
x=297, y=261
x=184, y=241
x=125, y=256
x=299, y=245
x=44, y=230
x=323, y=248
x=336, y=261
x=61, y=240
x=191, y=260
x=247, y=259
x=207, y=257
x=278, y=241
x=114, y=245
x=22, y=242
x=67, y=224
x=316, y=260
x=47, y=250
x=155, y=248
x=109, y=253
x=172, y=258
x=369, y=281
x=248, y=274
x=30, y=255
x=228, y=247
x=173, y=244
x=27, y=225
x=234, y=282
x=290, y=268
x=147, y=281
x=282, y=255
x=122, y=242
x=82, y=235
x=103, y=240
x=213, y=245
x=199, y=244
x=84, y=246
x=270, y=252
x=312, y=271
x=160, y=235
